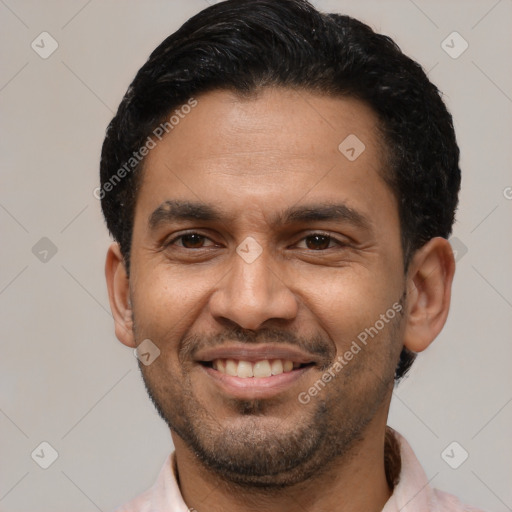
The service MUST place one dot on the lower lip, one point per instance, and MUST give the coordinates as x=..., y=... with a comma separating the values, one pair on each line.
x=255, y=387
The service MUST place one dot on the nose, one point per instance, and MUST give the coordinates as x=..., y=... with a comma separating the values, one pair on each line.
x=251, y=294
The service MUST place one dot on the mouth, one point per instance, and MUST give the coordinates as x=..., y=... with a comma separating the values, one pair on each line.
x=260, y=369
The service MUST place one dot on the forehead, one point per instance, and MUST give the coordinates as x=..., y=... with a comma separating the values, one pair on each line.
x=275, y=121
x=260, y=154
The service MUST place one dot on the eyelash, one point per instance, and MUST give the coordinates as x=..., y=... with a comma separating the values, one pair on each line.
x=339, y=243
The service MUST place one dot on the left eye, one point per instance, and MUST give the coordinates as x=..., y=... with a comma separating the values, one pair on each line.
x=319, y=242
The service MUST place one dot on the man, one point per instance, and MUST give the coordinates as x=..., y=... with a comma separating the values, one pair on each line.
x=280, y=184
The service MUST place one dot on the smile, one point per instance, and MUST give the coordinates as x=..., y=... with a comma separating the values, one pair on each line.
x=255, y=369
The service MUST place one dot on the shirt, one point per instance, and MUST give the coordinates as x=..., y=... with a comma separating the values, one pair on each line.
x=412, y=493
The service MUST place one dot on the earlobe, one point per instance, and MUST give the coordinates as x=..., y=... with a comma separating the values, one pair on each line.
x=118, y=286
x=429, y=285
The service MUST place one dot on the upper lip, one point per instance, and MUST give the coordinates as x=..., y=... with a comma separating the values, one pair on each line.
x=255, y=353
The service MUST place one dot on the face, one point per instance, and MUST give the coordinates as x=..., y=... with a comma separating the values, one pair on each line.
x=261, y=255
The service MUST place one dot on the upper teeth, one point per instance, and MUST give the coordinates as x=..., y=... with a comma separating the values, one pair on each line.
x=245, y=369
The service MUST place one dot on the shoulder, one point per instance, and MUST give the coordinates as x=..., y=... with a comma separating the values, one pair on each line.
x=413, y=492
x=445, y=502
x=163, y=495
x=141, y=503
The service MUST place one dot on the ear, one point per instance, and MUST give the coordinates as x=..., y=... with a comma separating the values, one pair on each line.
x=118, y=286
x=429, y=284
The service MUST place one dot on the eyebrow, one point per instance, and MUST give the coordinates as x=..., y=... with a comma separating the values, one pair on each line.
x=178, y=210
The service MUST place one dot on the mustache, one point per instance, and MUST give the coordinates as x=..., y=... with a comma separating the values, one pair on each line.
x=316, y=345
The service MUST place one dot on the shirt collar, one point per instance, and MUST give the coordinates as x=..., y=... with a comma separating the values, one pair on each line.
x=412, y=492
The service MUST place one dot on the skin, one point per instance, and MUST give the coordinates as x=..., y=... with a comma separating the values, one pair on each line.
x=253, y=158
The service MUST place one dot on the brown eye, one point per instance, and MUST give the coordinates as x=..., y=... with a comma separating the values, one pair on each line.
x=318, y=242
x=192, y=241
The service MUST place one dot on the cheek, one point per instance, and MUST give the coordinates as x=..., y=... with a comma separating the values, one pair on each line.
x=360, y=314
x=168, y=297
x=346, y=301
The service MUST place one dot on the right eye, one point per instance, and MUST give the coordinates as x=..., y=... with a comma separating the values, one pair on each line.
x=189, y=241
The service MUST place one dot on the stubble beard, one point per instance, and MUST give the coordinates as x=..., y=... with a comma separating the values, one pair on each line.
x=255, y=451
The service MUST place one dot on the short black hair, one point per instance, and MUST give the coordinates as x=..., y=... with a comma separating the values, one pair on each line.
x=247, y=45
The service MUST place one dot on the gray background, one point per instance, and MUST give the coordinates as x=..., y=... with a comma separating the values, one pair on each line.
x=66, y=380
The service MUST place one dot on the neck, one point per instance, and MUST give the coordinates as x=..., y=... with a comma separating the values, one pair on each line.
x=361, y=479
